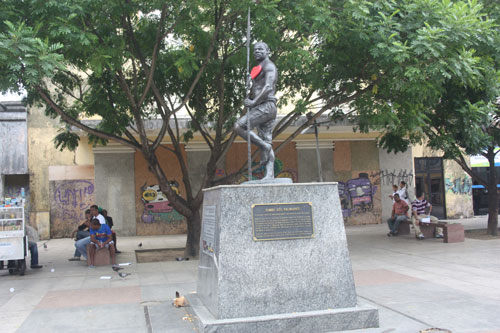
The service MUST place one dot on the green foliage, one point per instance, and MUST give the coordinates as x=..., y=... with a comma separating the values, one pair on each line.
x=66, y=140
x=434, y=68
x=78, y=49
x=418, y=68
x=39, y=58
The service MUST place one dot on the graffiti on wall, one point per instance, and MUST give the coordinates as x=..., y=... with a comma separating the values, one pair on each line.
x=357, y=196
x=74, y=194
x=279, y=172
x=68, y=201
x=157, y=208
x=394, y=177
x=461, y=185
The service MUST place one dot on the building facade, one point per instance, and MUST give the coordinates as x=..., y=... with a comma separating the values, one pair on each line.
x=62, y=185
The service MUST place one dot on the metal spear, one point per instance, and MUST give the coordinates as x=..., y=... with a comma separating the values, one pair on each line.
x=248, y=94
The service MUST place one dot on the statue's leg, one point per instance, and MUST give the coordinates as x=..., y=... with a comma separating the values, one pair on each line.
x=270, y=165
x=267, y=155
x=240, y=127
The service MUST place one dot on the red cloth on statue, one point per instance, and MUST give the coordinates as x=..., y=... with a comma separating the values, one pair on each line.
x=255, y=71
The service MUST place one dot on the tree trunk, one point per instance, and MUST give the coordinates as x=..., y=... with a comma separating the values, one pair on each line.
x=189, y=209
x=193, y=235
x=492, y=195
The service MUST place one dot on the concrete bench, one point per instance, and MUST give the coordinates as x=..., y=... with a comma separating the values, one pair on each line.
x=102, y=256
x=452, y=232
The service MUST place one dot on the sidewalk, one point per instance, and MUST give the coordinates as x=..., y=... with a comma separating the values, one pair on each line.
x=416, y=285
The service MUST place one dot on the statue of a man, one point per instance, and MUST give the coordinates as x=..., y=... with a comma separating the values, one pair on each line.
x=261, y=108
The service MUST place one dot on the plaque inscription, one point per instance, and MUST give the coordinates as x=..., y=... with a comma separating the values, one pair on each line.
x=282, y=221
x=208, y=233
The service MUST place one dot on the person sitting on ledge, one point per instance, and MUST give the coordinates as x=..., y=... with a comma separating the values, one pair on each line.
x=399, y=214
x=33, y=238
x=83, y=231
x=418, y=207
x=109, y=221
x=100, y=237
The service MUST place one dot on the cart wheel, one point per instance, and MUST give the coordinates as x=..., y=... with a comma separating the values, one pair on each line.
x=11, y=271
x=22, y=267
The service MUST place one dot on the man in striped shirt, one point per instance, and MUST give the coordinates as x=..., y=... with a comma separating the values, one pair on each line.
x=418, y=213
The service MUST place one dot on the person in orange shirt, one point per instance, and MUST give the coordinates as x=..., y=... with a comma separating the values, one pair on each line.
x=399, y=214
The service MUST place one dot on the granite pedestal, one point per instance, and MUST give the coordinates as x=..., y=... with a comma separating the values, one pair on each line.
x=289, y=285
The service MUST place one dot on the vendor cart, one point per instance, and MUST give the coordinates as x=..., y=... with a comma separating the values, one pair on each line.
x=13, y=243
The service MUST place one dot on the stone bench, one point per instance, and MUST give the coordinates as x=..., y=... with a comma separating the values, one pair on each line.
x=452, y=232
x=102, y=256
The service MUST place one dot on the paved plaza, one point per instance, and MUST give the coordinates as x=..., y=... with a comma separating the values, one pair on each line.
x=416, y=285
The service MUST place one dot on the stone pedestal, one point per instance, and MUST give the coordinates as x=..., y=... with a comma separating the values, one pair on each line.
x=290, y=285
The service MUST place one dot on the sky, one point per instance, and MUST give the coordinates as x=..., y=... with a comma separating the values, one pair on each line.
x=9, y=97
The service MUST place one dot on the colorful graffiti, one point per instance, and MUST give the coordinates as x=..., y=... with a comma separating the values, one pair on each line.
x=157, y=208
x=69, y=200
x=278, y=171
x=356, y=195
x=460, y=185
x=388, y=177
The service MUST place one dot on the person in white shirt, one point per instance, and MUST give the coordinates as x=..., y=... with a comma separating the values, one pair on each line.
x=394, y=191
x=403, y=192
x=81, y=245
x=94, y=210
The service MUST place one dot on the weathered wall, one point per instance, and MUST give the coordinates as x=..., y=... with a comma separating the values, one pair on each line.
x=458, y=191
x=395, y=168
x=458, y=185
x=71, y=192
x=41, y=155
x=356, y=168
x=198, y=154
x=2, y=185
x=154, y=215
x=13, y=132
x=115, y=187
x=307, y=161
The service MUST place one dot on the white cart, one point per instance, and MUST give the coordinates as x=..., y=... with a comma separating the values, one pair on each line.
x=13, y=243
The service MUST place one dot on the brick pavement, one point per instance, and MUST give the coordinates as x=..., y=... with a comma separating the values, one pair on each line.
x=415, y=284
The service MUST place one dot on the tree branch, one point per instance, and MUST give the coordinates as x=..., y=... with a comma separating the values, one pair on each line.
x=159, y=36
x=463, y=164
x=70, y=120
x=318, y=114
x=134, y=109
x=204, y=134
x=205, y=61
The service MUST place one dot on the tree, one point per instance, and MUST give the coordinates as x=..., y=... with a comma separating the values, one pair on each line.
x=439, y=83
x=129, y=61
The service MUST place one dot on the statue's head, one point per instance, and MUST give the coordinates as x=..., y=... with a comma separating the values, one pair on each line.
x=261, y=51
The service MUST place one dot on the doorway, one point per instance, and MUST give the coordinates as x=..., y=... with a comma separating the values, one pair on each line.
x=430, y=180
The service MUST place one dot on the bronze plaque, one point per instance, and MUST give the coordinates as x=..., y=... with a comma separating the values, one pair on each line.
x=282, y=221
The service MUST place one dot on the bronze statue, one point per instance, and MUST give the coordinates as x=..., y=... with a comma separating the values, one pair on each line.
x=261, y=108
